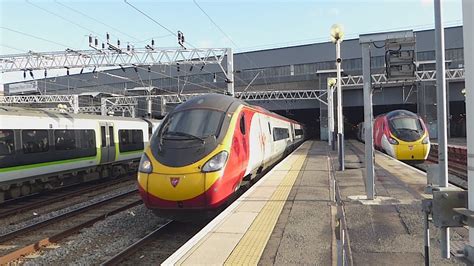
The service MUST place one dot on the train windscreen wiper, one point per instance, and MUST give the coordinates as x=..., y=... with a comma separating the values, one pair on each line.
x=178, y=133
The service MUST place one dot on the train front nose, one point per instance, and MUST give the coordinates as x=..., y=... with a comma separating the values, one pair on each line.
x=173, y=190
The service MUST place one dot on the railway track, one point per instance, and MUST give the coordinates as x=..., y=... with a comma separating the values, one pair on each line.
x=459, y=182
x=132, y=249
x=24, y=204
x=457, y=159
x=158, y=245
x=32, y=238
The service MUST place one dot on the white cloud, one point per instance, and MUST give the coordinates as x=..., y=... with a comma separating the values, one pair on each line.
x=426, y=3
x=334, y=11
x=205, y=44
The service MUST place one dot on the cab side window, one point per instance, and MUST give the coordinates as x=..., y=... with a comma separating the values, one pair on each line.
x=242, y=124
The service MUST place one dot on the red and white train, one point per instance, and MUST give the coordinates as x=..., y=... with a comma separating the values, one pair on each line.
x=401, y=134
x=207, y=148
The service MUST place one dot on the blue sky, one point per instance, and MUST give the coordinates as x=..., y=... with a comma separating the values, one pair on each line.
x=251, y=24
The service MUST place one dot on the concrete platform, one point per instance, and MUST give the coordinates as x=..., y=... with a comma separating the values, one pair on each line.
x=289, y=216
x=388, y=230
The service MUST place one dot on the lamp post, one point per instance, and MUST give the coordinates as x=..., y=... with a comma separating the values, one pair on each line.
x=337, y=34
x=330, y=87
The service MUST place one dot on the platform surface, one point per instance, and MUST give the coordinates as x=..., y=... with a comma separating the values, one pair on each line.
x=289, y=216
x=389, y=229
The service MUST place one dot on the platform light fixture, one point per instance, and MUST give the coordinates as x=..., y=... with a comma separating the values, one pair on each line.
x=337, y=34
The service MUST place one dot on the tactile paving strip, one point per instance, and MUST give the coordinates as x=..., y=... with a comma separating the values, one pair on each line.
x=251, y=246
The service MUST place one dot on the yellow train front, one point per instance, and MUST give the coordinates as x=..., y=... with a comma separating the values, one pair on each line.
x=181, y=168
x=402, y=135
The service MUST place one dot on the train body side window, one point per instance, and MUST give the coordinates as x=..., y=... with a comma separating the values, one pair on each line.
x=103, y=136
x=7, y=143
x=130, y=140
x=298, y=132
x=111, y=132
x=87, y=139
x=34, y=141
x=65, y=140
x=269, y=128
x=280, y=133
x=242, y=124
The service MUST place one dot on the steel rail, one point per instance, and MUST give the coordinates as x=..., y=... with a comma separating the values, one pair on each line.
x=115, y=260
x=39, y=244
x=18, y=205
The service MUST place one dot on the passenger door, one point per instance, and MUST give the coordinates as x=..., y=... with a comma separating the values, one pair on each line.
x=107, y=146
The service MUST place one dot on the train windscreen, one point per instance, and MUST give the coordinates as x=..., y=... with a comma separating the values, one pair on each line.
x=406, y=128
x=193, y=123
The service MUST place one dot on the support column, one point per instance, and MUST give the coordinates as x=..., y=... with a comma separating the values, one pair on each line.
x=230, y=72
x=368, y=122
x=103, y=106
x=441, y=113
x=75, y=103
x=340, y=122
x=468, y=29
x=149, y=107
x=330, y=113
x=163, y=106
x=323, y=114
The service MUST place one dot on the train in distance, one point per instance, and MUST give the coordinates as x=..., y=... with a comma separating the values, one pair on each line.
x=401, y=134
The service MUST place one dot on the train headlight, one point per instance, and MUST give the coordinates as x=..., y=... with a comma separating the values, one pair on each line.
x=426, y=140
x=215, y=163
x=145, y=165
x=392, y=141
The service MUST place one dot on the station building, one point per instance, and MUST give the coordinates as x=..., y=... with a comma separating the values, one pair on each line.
x=301, y=67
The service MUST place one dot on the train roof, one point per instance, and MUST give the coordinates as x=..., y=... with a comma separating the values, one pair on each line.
x=22, y=111
x=216, y=101
x=222, y=103
x=400, y=113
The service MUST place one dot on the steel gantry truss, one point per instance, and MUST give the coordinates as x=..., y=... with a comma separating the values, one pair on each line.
x=422, y=76
x=107, y=58
x=72, y=100
x=128, y=104
x=111, y=104
x=121, y=58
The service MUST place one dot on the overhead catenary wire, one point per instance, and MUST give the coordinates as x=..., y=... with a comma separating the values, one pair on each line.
x=152, y=19
x=231, y=40
x=172, y=77
x=155, y=37
x=34, y=36
x=96, y=20
x=13, y=48
x=62, y=17
x=157, y=22
x=97, y=33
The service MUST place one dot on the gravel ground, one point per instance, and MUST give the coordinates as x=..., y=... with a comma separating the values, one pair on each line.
x=11, y=227
x=101, y=241
x=11, y=220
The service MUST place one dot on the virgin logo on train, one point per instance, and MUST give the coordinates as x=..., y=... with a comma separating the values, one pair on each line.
x=174, y=181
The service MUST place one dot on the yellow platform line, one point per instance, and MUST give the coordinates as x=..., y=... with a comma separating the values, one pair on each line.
x=251, y=246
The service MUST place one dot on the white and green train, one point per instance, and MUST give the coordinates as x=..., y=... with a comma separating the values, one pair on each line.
x=42, y=150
